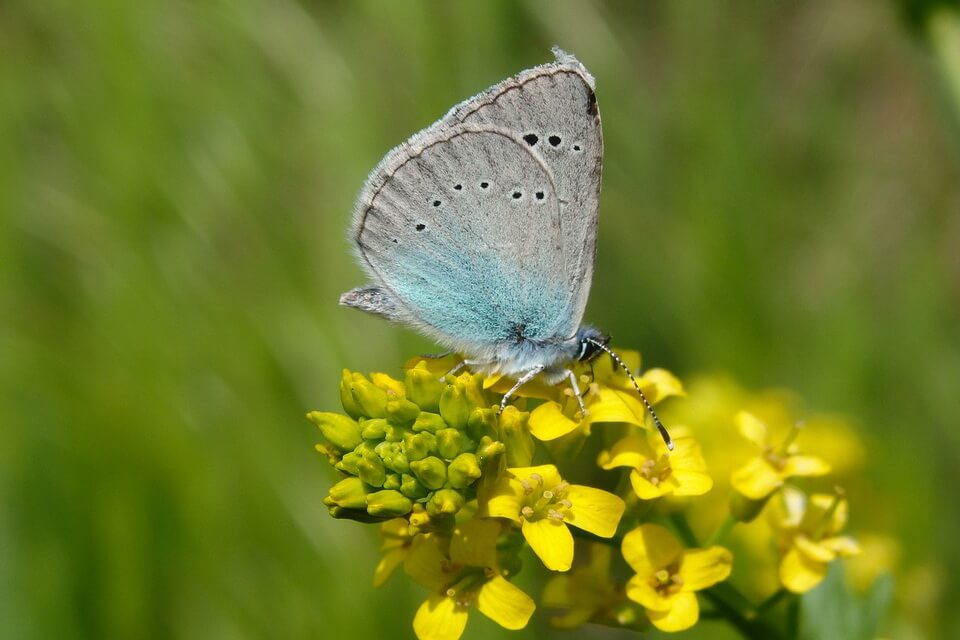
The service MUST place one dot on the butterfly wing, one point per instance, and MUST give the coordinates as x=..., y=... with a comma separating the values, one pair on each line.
x=554, y=110
x=460, y=229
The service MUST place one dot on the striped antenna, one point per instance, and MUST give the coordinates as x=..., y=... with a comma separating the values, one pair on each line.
x=662, y=429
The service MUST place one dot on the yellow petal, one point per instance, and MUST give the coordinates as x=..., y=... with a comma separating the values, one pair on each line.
x=686, y=454
x=547, y=473
x=703, y=568
x=682, y=615
x=551, y=541
x=843, y=546
x=752, y=429
x=649, y=548
x=440, y=618
x=640, y=590
x=547, y=422
x=502, y=499
x=665, y=384
x=474, y=543
x=388, y=563
x=645, y=489
x=631, y=451
x=505, y=603
x=594, y=510
x=615, y=405
x=424, y=563
x=691, y=483
x=536, y=388
x=756, y=479
x=806, y=466
x=815, y=551
x=799, y=573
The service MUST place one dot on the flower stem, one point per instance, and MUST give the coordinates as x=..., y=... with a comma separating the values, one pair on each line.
x=773, y=600
x=718, y=536
x=683, y=529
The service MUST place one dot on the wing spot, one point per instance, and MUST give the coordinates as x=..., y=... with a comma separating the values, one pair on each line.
x=576, y=147
x=420, y=226
x=394, y=241
x=457, y=187
x=516, y=195
x=436, y=203
x=531, y=139
x=539, y=195
x=554, y=141
x=484, y=185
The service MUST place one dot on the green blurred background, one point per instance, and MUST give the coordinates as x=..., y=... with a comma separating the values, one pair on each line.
x=781, y=202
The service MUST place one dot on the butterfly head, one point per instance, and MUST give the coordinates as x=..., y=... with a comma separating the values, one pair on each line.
x=591, y=341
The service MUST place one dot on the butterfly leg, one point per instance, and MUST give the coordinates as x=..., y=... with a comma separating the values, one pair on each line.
x=463, y=364
x=576, y=391
x=524, y=379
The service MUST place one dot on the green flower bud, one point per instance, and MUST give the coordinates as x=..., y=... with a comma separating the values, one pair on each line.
x=516, y=437
x=418, y=446
x=445, y=502
x=340, y=431
x=393, y=457
x=357, y=515
x=427, y=421
x=370, y=469
x=388, y=502
x=365, y=447
x=430, y=471
x=482, y=422
x=451, y=442
x=346, y=398
x=746, y=509
x=349, y=462
x=393, y=481
x=394, y=433
x=423, y=388
x=489, y=448
x=477, y=396
x=371, y=399
x=464, y=469
x=402, y=412
x=411, y=487
x=332, y=454
x=454, y=406
x=373, y=429
x=349, y=493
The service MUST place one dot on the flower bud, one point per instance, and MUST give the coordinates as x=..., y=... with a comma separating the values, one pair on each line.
x=394, y=433
x=348, y=464
x=746, y=509
x=419, y=517
x=482, y=422
x=393, y=481
x=388, y=502
x=340, y=431
x=411, y=487
x=332, y=453
x=445, y=502
x=516, y=437
x=349, y=493
x=427, y=421
x=451, y=442
x=371, y=399
x=370, y=469
x=423, y=388
x=346, y=398
x=373, y=429
x=477, y=396
x=454, y=406
x=489, y=448
x=430, y=471
x=394, y=388
x=393, y=457
x=464, y=469
x=402, y=412
x=418, y=446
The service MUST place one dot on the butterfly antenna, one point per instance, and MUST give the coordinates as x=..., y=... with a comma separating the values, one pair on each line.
x=662, y=429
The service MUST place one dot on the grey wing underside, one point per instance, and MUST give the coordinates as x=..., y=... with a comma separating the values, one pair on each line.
x=544, y=120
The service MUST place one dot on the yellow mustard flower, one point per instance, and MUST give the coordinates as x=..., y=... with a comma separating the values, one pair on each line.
x=588, y=594
x=667, y=575
x=765, y=473
x=657, y=471
x=543, y=504
x=807, y=536
x=462, y=571
x=398, y=537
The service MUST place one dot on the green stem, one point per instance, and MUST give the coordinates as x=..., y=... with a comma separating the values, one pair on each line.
x=793, y=619
x=683, y=529
x=723, y=530
x=773, y=600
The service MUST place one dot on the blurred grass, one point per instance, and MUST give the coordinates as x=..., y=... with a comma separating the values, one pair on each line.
x=780, y=201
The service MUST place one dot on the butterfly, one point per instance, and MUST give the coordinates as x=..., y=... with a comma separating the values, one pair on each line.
x=480, y=231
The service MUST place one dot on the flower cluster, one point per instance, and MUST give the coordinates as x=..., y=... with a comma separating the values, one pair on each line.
x=468, y=496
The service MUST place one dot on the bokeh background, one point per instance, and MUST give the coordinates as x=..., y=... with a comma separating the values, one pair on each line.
x=781, y=202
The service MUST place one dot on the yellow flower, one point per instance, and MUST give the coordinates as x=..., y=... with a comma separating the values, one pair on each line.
x=656, y=471
x=807, y=537
x=669, y=575
x=588, y=594
x=462, y=571
x=543, y=504
x=765, y=473
x=398, y=537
